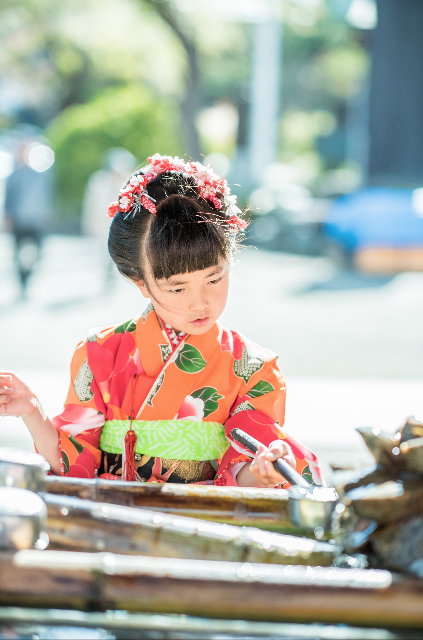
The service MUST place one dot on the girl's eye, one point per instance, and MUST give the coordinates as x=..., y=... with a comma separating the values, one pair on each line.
x=215, y=281
x=176, y=290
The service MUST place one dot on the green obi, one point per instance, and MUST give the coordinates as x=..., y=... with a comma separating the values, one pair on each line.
x=173, y=439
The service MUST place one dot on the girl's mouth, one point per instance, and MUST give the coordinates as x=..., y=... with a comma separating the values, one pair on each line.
x=200, y=322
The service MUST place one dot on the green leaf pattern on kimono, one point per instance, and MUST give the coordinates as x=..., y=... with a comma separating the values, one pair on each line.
x=155, y=388
x=65, y=461
x=210, y=397
x=82, y=383
x=130, y=325
x=166, y=350
x=78, y=446
x=306, y=473
x=248, y=364
x=190, y=360
x=260, y=389
x=244, y=406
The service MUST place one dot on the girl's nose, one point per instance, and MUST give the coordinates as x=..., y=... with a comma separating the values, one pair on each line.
x=198, y=302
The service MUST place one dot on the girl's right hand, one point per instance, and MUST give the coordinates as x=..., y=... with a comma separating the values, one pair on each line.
x=16, y=398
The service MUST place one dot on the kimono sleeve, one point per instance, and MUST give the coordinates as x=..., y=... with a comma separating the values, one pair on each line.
x=266, y=394
x=79, y=425
x=260, y=412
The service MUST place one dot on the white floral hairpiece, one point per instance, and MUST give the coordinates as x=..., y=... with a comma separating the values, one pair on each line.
x=134, y=195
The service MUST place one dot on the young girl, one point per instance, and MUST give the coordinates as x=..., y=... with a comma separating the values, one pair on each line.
x=154, y=399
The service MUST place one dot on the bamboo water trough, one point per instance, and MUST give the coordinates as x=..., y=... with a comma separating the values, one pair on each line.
x=82, y=525
x=162, y=626
x=242, y=506
x=225, y=590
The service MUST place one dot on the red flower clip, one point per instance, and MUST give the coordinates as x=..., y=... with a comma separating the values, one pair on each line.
x=237, y=223
x=113, y=209
x=149, y=205
x=215, y=200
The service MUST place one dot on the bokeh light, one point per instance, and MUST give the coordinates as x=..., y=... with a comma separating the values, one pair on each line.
x=40, y=157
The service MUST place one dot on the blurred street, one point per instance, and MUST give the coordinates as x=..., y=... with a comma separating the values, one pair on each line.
x=350, y=345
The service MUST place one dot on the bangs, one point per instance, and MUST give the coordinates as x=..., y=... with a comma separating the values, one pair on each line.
x=187, y=246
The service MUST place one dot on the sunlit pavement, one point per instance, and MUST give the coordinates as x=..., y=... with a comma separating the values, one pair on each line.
x=350, y=346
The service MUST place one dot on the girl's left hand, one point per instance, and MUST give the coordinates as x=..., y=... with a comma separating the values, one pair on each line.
x=262, y=467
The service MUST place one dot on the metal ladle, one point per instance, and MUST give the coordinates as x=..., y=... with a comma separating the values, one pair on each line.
x=22, y=469
x=310, y=505
x=23, y=515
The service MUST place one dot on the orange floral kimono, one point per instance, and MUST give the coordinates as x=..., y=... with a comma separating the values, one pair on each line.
x=181, y=396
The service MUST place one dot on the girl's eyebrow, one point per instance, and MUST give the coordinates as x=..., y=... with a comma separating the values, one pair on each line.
x=217, y=270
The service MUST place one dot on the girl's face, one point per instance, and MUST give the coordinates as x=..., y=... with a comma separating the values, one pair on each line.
x=190, y=302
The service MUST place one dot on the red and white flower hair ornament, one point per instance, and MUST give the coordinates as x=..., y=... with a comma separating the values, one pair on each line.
x=134, y=195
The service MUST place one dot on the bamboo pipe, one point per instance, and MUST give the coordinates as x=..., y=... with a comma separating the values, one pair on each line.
x=227, y=590
x=123, y=623
x=83, y=525
x=242, y=506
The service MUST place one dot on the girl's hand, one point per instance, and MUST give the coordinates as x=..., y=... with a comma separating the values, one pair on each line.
x=16, y=398
x=262, y=468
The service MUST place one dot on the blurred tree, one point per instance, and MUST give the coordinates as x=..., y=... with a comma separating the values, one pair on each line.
x=58, y=54
x=55, y=55
x=192, y=98
x=325, y=69
x=41, y=71
x=93, y=82
x=129, y=117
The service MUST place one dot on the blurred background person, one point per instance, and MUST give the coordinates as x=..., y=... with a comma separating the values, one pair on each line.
x=28, y=205
x=101, y=190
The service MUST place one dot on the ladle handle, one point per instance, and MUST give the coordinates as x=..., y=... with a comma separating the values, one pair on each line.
x=280, y=465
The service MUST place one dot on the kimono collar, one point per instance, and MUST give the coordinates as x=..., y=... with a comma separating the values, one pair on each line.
x=156, y=342
x=174, y=338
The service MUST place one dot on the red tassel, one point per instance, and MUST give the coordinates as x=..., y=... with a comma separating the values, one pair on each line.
x=128, y=458
x=129, y=464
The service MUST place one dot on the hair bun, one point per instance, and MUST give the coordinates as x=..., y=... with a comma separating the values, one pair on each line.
x=179, y=208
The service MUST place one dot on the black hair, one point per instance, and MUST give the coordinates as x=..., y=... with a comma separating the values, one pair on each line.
x=188, y=233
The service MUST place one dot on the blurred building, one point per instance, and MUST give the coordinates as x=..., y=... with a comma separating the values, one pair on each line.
x=396, y=95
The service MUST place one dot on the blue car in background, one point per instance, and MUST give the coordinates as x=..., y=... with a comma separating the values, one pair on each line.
x=377, y=229
x=382, y=228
